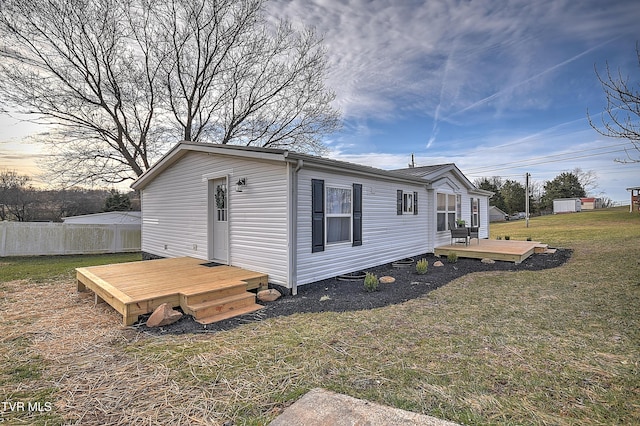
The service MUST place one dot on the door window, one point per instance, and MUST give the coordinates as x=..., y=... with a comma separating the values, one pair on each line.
x=221, y=202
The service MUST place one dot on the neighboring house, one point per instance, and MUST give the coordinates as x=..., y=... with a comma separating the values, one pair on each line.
x=297, y=217
x=635, y=199
x=496, y=215
x=107, y=218
x=591, y=203
x=567, y=205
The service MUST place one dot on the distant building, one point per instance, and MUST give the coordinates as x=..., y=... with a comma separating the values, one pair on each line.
x=496, y=215
x=567, y=205
x=635, y=199
x=591, y=203
x=107, y=218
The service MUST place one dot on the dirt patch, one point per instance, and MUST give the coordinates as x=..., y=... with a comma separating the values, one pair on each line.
x=334, y=295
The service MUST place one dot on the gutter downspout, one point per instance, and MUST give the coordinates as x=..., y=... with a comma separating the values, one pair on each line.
x=293, y=224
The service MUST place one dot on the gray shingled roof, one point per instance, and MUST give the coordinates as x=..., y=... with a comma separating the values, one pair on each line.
x=422, y=174
x=425, y=170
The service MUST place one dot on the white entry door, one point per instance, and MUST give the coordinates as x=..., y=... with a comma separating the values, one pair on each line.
x=219, y=221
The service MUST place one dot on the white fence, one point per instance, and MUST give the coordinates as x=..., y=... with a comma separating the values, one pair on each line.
x=28, y=238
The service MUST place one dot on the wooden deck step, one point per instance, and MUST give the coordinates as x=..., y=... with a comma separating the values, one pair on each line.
x=230, y=314
x=541, y=248
x=198, y=295
x=221, y=306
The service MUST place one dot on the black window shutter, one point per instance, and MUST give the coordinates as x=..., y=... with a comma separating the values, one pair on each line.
x=399, y=202
x=415, y=203
x=317, y=215
x=357, y=214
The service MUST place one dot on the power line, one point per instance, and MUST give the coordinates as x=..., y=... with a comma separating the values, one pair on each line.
x=490, y=169
x=565, y=156
x=601, y=172
x=569, y=156
x=614, y=172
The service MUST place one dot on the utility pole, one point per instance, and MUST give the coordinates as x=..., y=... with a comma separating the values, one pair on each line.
x=526, y=199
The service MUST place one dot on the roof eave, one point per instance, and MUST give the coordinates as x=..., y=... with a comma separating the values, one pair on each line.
x=482, y=192
x=182, y=148
x=353, y=168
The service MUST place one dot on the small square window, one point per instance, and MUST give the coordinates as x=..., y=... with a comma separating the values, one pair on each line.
x=406, y=202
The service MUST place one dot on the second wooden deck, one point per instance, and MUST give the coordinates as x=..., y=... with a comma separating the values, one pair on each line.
x=506, y=250
x=208, y=293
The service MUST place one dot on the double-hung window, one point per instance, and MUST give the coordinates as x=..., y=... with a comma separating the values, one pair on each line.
x=338, y=214
x=447, y=206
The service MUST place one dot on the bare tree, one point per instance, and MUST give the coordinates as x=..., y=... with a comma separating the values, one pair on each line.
x=20, y=201
x=232, y=78
x=197, y=40
x=121, y=80
x=621, y=117
x=74, y=64
x=588, y=179
x=16, y=196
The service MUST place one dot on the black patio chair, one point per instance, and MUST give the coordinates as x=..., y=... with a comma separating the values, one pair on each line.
x=459, y=233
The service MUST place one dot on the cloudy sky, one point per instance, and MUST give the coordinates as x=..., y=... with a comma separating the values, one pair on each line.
x=500, y=88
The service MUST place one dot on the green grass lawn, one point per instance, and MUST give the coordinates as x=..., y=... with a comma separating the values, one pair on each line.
x=558, y=346
x=40, y=268
x=596, y=227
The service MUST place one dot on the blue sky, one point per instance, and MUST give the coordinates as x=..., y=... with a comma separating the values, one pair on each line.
x=485, y=84
x=500, y=88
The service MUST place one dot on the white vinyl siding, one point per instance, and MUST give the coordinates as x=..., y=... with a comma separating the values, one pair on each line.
x=386, y=236
x=174, y=212
x=176, y=208
x=483, y=206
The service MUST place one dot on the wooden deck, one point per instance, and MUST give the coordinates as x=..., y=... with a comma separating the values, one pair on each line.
x=506, y=250
x=208, y=293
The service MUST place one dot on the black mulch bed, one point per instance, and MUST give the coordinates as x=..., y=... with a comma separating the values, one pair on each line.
x=333, y=295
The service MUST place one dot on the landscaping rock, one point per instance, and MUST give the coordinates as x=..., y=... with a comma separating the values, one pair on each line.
x=387, y=280
x=320, y=407
x=438, y=264
x=270, y=295
x=163, y=315
x=488, y=261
